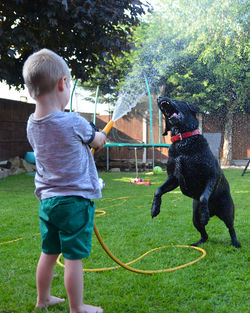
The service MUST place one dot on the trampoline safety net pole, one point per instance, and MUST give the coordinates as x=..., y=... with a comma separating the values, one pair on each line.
x=151, y=121
x=71, y=98
x=96, y=100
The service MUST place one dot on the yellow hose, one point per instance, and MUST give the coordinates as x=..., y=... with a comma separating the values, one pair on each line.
x=126, y=265
x=18, y=239
x=121, y=264
x=144, y=271
x=106, y=130
x=110, y=254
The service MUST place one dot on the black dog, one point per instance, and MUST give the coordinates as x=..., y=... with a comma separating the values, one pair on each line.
x=192, y=166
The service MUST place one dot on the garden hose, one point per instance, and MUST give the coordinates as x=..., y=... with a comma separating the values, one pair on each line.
x=126, y=265
x=106, y=129
x=114, y=258
x=140, y=257
x=120, y=263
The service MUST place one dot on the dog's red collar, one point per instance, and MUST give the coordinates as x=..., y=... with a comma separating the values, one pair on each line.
x=185, y=135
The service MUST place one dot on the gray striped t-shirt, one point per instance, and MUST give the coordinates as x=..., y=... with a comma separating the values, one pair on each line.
x=64, y=163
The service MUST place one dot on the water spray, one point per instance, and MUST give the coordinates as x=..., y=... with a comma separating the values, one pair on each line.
x=123, y=106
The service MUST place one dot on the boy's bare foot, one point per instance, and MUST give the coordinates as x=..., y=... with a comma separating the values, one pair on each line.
x=88, y=309
x=51, y=301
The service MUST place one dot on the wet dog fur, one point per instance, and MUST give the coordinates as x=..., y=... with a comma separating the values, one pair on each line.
x=192, y=166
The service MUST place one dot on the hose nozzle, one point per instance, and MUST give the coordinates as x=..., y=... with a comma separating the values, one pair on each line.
x=109, y=125
x=106, y=130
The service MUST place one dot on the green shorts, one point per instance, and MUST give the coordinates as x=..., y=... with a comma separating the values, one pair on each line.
x=66, y=225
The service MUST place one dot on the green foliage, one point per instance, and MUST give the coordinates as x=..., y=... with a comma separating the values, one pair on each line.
x=216, y=52
x=217, y=283
x=198, y=51
x=87, y=34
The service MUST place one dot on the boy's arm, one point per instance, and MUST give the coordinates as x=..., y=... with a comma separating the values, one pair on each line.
x=99, y=140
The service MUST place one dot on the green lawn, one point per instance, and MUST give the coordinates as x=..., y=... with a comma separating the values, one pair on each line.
x=219, y=283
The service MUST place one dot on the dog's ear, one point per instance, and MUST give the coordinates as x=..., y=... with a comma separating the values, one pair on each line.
x=193, y=107
x=167, y=127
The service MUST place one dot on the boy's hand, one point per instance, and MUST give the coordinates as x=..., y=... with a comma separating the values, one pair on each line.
x=99, y=141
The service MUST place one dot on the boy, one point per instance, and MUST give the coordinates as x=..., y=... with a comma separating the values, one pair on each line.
x=66, y=178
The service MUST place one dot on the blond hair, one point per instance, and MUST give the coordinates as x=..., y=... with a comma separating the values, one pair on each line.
x=42, y=71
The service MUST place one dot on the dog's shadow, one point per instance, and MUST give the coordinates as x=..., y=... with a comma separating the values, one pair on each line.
x=218, y=242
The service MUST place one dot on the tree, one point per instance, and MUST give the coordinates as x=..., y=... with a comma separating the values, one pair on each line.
x=199, y=52
x=87, y=34
x=226, y=54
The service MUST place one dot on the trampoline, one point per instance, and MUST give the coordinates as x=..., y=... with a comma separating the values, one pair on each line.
x=134, y=145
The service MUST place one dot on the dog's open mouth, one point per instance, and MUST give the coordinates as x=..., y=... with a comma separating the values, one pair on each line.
x=168, y=109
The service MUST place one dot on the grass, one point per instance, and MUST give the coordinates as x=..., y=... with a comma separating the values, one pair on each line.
x=219, y=283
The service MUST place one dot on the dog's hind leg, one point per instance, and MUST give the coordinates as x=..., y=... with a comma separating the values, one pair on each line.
x=223, y=206
x=198, y=225
x=228, y=219
x=170, y=184
x=232, y=233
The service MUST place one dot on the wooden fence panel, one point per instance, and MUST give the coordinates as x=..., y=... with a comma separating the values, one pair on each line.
x=13, y=121
x=14, y=116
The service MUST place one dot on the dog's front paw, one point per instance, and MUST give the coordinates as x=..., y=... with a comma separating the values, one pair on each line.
x=155, y=210
x=204, y=216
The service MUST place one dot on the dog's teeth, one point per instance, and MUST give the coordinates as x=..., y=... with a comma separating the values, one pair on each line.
x=174, y=115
